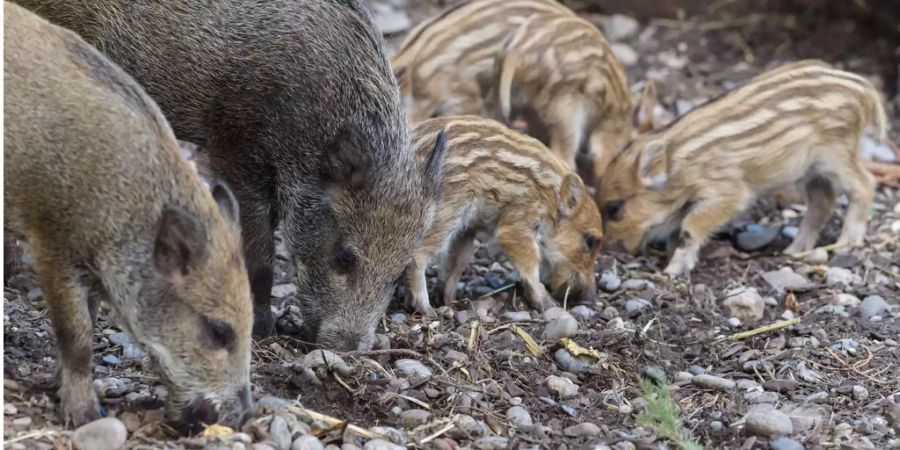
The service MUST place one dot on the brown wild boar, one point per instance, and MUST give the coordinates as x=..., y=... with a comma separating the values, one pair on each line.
x=559, y=72
x=296, y=106
x=509, y=185
x=440, y=60
x=94, y=180
x=799, y=124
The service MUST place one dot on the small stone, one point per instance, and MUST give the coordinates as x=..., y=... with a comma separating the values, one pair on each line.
x=468, y=425
x=398, y=317
x=755, y=237
x=786, y=443
x=816, y=397
x=617, y=27
x=582, y=311
x=790, y=231
x=745, y=304
x=748, y=385
x=625, y=53
x=682, y=378
x=818, y=256
x=570, y=363
x=768, y=423
x=848, y=345
x=716, y=425
x=616, y=324
x=110, y=360
x=465, y=315
x=283, y=290
x=734, y=322
x=837, y=310
x=9, y=409
x=379, y=444
x=609, y=282
x=636, y=284
x=585, y=429
x=490, y=443
x=560, y=327
x=860, y=393
x=872, y=306
x=770, y=301
x=132, y=351
x=609, y=313
x=846, y=300
x=307, y=442
x=840, y=276
x=696, y=370
x=515, y=316
x=329, y=359
x=519, y=417
x=634, y=306
x=21, y=422
x=414, y=417
x=120, y=338
x=757, y=366
x=780, y=385
x=625, y=409
x=561, y=386
x=708, y=381
x=786, y=280
x=279, y=433
x=107, y=433
x=411, y=368
x=757, y=397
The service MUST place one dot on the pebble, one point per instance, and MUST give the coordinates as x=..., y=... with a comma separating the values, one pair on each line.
x=582, y=311
x=734, y=322
x=872, y=306
x=412, y=368
x=786, y=443
x=582, y=429
x=279, y=433
x=616, y=324
x=696, y=370
x=770, y=301
x=618, y=27
x=554, y=312
x=609, y=282
x=748, y=385
x=634, y=306
x=846, y=300
x=107, y=433
x=609, y=313
x=757, y=397
x=132, y=351
x=283, y=290
x=110, y=387
x=636, y=284
x=716, y=425
x=120, y=338
x=838, y=275
x=816, y=397
x=519, y=417
x=625, y=409
x=307, y=442
x=786, y=280
x=110, y=360
x=465, y=315
x=818, y=256
x=681, y=378
x=379, y=444
x=624, y=53
x=780, y=385
x=490, y=443
x=790, y=231
x=9, y=409
x=860, y=393
x=757, y=365
x=391, y=20
x=515, y=316
x=398, y=317
x=837, y=310
x=708, y=381
x=561, y=386
x=755, y=237
x=769, y=423
x=848, y=345
x=412, y=418
x=560, y=327
x=392, y=434
x=468, y=425
x=21, y=422
x=573, y=364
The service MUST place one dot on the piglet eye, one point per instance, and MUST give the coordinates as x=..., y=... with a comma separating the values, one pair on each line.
x=613, y=210
x=591, y=241
x=217, y=333
x=344, y=259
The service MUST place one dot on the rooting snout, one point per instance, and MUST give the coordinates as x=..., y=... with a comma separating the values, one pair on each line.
x=579, y=289
x=345, y=339
x=203, y=411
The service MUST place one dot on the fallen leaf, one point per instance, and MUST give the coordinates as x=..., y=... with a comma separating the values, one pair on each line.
x=216, y=430
x=530, y=343
x=577, y=350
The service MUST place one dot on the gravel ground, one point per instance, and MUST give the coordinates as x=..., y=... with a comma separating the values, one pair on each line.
x=472, y=379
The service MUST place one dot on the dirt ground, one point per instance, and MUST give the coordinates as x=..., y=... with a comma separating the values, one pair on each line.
x=469, y=379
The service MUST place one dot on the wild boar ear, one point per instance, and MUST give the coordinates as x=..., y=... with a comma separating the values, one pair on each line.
x=433, y=168
x=642, y=119
x=226, y=202
x=644, y=168
x=180, y=244
x=344, y=163
x=571, y=194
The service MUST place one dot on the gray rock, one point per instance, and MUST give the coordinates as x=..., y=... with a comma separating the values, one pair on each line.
x=757, y=366
x=398, y=317
x=617, y=27
x=107, y=433
x=490, y=443
x=412, y=368
x=514, y=316
x=582, y=311
x=572, y=364
x=561, y=386
x=780, y=385
x=860, y=392
x=307, y=442
x=837, y=310
x=412, y=418
x=708, y=381
x=755, y=237
x=840, y=276
x=132, y=351
x=279, y=433
x=846, y=300
x=681, y=378
x=748, y=385
x=786, y=443
x=756, y=397
x=465, y=315
x=110, y=360
x=625, y=53
x=609, y=313
x=519, y=417
x=616, y=324
x=379, y=444
x=696, y=370
x=390, y=20
x=744, y=303
x=583, y=429
x=609, y=282
x=768, y=423
x=790, y=231
x=283, y=290
x=634, y=306
x=329, y=359
x=848, y=345
x=734, y=322
x=560, y=327
x=468, y=425
x=818, y=256
x=716, y=425
x=392, y=434
x=120, y=338
x=636, y=284
x=786, y=280
x=872, y=306
x=554, y=312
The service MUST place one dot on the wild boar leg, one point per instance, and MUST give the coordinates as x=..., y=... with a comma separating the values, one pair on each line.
x=458, y=257
x=566, y=127
x=710, y=212
x=520, y=247
x=416, y=282
x=819, y=206
x=860, y=186
x=67, y=303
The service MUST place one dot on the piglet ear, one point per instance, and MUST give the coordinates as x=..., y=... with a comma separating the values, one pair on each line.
x=571, y=194
x=652, y=167
x=226, y=202
x=433, y=167
x=642, y=119
x=180, y=244
x=345, y=163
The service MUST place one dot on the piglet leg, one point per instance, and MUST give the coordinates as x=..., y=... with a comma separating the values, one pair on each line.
x=522, y=250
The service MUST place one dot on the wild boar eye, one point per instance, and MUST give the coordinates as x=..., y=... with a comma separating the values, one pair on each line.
x=344, y=259
x=591, y=242
x=217, y=333
x=613, y=210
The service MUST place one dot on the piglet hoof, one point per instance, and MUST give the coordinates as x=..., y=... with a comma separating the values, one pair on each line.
x=79, y=406
x=263, y=325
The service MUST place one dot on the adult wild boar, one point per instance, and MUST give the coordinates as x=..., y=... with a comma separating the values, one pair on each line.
x=296, y=105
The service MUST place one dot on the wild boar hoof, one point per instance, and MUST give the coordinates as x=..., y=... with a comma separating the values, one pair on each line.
x=263, y=325
x=80, y=406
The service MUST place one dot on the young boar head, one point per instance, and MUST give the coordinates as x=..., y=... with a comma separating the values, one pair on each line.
x=637, y=206
x=194, y=314
x=376, y=205
x=573, y=245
